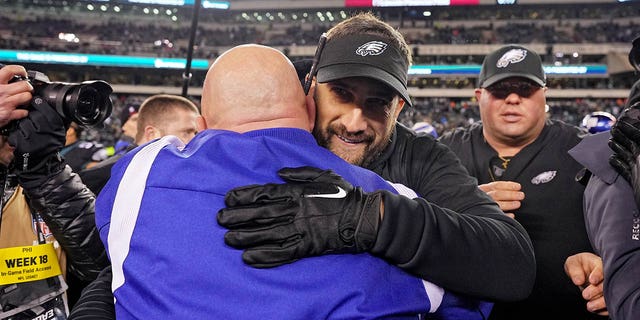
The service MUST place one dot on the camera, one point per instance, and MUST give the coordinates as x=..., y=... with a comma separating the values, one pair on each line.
x=86, y=103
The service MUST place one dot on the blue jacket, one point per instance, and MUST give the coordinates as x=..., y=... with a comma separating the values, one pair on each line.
x=157, y=218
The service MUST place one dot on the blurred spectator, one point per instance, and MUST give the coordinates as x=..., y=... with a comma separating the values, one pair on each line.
x=425, y=128
x=158, y=115
x=598, y=121
x=81, y=154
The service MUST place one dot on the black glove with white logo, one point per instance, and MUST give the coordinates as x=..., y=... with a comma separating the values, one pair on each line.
x=625, y=142
x=316, y=212
x=37, y=139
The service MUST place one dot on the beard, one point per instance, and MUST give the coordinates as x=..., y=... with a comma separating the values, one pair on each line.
x=368, y=151
x=363, y=156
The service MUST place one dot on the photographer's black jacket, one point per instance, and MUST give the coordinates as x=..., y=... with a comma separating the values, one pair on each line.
x=551, y=212
x=68, y=208
x=458, y=237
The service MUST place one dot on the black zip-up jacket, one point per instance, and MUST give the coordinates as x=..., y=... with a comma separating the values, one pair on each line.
x=68, y=208
x=457, y=237
x=551, y=212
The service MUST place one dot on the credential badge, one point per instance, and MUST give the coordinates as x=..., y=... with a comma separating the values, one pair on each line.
x=373, y=48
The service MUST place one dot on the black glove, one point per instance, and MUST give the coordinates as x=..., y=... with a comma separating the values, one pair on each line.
x=316, y=212
x=625, y=142
x=37, y=138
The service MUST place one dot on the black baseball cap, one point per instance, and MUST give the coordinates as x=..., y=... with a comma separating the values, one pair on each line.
x=511, y=61
x=367, y=56
x=128, y=111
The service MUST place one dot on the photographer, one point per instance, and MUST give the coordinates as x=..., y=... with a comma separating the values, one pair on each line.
x=47, y=225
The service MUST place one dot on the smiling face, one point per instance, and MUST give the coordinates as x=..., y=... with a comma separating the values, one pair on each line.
x=511, y=115
x=355, y=118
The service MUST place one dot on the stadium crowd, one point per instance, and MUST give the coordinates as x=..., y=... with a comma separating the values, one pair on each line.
x=132, y=32
x=120, y=33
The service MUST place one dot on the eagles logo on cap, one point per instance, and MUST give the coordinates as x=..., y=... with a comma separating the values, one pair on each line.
x=365, y=55
x=511, y=56
x=373, y=48
x=511, y=61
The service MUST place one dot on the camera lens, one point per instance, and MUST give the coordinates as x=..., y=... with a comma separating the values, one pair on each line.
x=85, y=103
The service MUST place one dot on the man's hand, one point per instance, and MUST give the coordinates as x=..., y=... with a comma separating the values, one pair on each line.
x=37, y=138
x=316, y=212
x=506, y=193
x=13, y=95
x=585, y=271
x=625, y=142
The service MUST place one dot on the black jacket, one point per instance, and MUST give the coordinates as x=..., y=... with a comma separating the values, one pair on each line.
x=68, y=208
x=551, y=212
x=96, y=301
x=457, y=237
x=97, y=176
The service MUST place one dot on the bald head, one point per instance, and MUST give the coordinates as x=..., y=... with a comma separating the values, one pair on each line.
x=253, y=87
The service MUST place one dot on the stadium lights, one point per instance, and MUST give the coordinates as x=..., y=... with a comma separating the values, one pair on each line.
x=208, y=4
x=68, y=37
x=225, y=5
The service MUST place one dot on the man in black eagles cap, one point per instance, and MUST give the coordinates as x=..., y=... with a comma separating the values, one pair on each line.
x=520, y=157
x=455, y=235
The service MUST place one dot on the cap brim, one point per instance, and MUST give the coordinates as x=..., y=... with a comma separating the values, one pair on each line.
x=341, y=71
x=503, y=76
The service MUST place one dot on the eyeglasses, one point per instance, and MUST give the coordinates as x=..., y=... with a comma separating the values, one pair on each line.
x=502, y=90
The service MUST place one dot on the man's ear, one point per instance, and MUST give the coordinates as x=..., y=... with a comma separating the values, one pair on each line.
x=201, y=124
x=399, y=107
x=152, y=133
x=478, y=93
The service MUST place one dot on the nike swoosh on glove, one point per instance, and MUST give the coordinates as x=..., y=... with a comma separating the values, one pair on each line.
x=315, y=212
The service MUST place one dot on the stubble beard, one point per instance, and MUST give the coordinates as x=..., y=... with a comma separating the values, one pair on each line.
x=363, y=158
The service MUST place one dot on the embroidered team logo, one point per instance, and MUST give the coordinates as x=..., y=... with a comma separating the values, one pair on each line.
x=544, y=177
x=511, y=56
x=371, y=48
